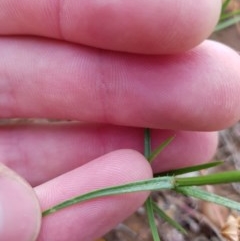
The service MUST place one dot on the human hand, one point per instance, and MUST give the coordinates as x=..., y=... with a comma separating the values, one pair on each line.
x=54, y=75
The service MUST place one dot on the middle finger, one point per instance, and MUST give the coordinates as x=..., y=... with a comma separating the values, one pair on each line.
x=197, y=90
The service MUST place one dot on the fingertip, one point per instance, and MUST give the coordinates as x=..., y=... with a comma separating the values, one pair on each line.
x=115, y=168
x=132, y=161
x=153, y=27
x=20, y=214
x=224, y=93
x=193, y=24
x=147, y=27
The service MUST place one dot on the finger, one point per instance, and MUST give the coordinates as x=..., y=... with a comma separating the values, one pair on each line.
x=198, y=90
x=42, y=152
x=20, y=213
x=92, y=219
x=143, y=27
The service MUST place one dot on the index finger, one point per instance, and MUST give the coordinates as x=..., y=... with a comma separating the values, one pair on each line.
x=155, y=27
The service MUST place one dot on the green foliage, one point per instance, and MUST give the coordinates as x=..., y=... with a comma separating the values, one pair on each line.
x=168, y=219
x=190, y=169
x=227, y=18
x=150, y=212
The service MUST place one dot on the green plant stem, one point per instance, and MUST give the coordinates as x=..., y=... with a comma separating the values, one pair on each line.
x=217, y=178
x=145, y=185
x=147, y=143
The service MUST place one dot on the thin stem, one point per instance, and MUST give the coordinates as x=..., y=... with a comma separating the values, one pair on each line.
x=217, y=178
x=147, y=143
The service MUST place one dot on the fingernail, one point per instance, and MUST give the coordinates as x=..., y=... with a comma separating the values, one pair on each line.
x=20, y=214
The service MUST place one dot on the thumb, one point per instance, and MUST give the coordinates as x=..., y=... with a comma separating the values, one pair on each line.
x=20, y=214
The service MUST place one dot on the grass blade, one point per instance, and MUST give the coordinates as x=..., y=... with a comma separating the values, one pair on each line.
x=145, y=185
x=148, y=203
x=229, y=15
x=168, y=219
x=151, y=220
x=189, y=169
x=211, y=179
x=159, y=149
x=207, y=196
x=224, y=5
x=227, y=23
x=147, y=143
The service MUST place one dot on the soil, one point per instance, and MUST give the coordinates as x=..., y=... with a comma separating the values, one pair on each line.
x=203, y=221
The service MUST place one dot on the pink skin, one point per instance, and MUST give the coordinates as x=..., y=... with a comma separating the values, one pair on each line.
x=172, y=92
x=69, y=146
x=20, y=212
x=154, y=27
x=102, y=214
x=182, y=94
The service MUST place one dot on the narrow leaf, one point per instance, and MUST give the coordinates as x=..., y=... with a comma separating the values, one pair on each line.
x=229, y=15
x=225, y=4
x=159, y=149
x=145, y=185
x=227, y=23
x=151, y=220
x=207, y=196
x=168, y=219
x=189, y=169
